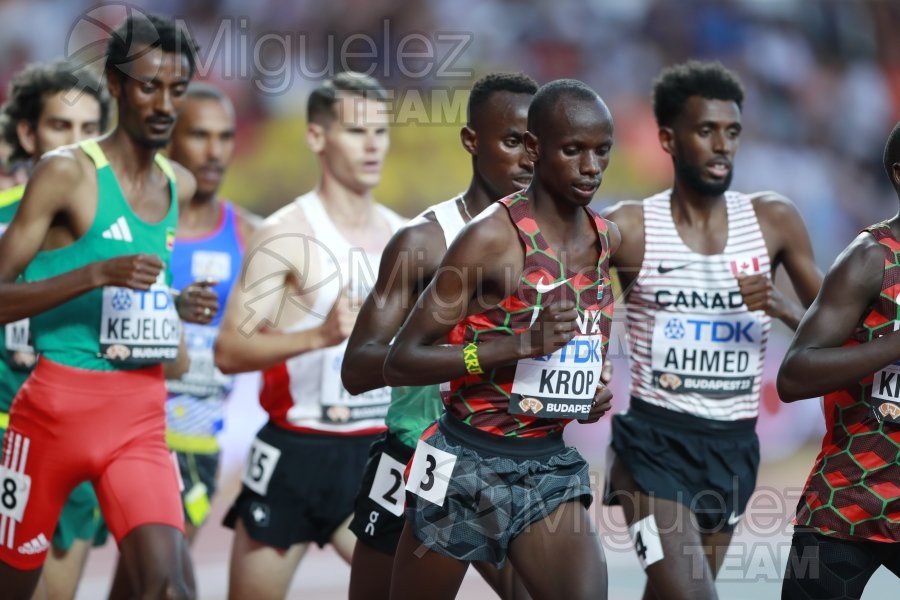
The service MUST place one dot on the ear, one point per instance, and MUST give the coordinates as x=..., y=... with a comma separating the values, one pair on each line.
x=315, y=137
x=532, y=146
x=114, y=82
x=27, y=136
x=895, y=175
x=667, y=140
x=469, y=140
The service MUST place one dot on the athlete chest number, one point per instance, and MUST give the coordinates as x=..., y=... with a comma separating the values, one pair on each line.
x=387, y=486
x=260, y=466
x=430, y=473
x=14, y=491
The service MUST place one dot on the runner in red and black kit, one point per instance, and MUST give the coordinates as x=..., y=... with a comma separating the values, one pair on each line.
x=848, y=519
x=524, y=300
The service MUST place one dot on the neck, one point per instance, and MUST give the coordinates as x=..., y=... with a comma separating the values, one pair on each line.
x=560, y=217
x=477, y=197
x=134, y=161
x=692, y=206
x=199, y=215
x=344, y=205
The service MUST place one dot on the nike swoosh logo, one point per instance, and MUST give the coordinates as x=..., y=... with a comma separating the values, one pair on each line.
x=733, y=518
x=663, y=270
x=543, y=288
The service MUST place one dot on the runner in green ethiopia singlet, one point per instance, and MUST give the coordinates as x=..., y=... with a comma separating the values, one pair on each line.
x=116, y=327
x=12, y=374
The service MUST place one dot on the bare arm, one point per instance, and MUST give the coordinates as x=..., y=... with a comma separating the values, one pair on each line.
x=407, y=264
x=816, y=363
x=782, y=224
x=181, y=364
x=57, y=182
x=248, y=339
x=628, y=217
x=486, y=256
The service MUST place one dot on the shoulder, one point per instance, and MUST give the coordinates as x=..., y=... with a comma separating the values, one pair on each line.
x=247, y=222
x=614, y=235
x=772, y=205
x=492, y=230
x=626, y=214
x=862, y=260
x=66, y=166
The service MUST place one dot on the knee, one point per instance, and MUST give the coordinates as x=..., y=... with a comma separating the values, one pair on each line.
x=167, y=590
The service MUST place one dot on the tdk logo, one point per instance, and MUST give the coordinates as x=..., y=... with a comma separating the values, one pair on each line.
x=577, y=352
x=703, y=330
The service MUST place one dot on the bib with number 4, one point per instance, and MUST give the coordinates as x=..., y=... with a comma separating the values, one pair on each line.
x=430, y=473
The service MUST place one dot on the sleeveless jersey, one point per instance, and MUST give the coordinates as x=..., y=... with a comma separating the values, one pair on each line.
x=305, y=392
x=196, y=402
x=16, y=354
x=556, y=388
x=853, y=489
x=695, y=347
x=111, y=328
x=413, y=409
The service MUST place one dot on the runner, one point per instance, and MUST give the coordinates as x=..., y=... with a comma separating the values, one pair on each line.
x=290, y=315
x=697, y=262
x=85, y=213
x=498, y=110
x=524, y=299
x=846, y=349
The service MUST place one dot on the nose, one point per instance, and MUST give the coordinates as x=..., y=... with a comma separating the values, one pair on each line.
x=162, y=102
x=591, y=164
x=214, y=148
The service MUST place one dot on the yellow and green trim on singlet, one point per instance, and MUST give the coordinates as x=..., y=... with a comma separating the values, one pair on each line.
x=11, y=377
x=75, y=342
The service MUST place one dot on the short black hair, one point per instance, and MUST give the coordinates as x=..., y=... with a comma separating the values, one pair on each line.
x=320, y=106
x=548, y=96
x=31, y=86
x=484, y=88
x=677, y=83
x=200, y=90
x=127, y=41
x=892, y=153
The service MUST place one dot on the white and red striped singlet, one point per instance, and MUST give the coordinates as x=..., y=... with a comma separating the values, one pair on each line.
x=695, y=347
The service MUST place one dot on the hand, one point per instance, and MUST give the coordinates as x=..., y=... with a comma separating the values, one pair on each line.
x=601, y=405
x=761, y=294
x=135, y=271
x=198, y=303
x=340, y=320
x=554, y=328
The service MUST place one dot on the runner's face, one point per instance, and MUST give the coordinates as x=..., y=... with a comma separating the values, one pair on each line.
x=500, y=159
x=150, y=91
x=574, y=150
x=64, y=122
x=203, y=141
x=356, y=141
x=703, y=143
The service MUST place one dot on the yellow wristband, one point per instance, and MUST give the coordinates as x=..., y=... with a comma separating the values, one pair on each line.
x=470, y=357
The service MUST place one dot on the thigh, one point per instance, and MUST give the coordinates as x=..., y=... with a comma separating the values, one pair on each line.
x=666, y=539
x=560, y=556
x=258, y=570
x=370, y=573
x=154, y=558
x=504, y=581
x=422, y=573
x=828, y=568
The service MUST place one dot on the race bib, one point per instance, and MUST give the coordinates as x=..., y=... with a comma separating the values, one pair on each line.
x=18, y=344
x=203, y=379
x=14, y=490
x=338, y=405
x=886, y=394
x=260, y=466
x=210, y=265
x=715, y=356
x=387, y=488
x=561, y=385
x=430, y=473
x=138, y=327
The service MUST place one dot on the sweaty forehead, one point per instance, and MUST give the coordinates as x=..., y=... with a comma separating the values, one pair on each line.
x=571, y=116
x=503, y=110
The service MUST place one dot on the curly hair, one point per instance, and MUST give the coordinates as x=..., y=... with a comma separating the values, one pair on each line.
x=677, y=83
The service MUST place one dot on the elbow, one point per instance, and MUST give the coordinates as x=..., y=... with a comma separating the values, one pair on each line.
x=394, y=373
x=790, y=388
x=350, y=378
x=226, y=358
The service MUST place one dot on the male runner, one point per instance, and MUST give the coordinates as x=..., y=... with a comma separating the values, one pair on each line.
x=299, y=272
x=696, y=264
x=497, y=114
x=846, y=348
x=44, y=110
x=209, y=245
x=86, y=210
x=524, y=299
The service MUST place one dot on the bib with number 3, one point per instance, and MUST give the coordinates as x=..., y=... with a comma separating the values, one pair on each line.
x=430, y=473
